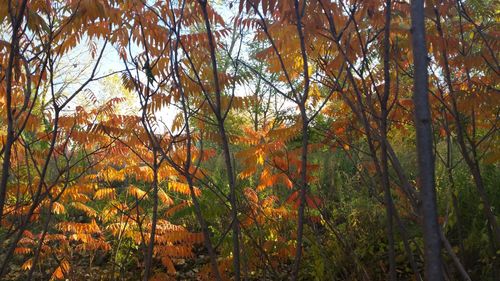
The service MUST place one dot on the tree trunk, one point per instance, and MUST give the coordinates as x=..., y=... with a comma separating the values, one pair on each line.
x=389, y=204
x=305, y=142
x=149, y=256
x=189, y=177
x=432, y=239
x=303, y=193
x=225, y=146
x=16, y=24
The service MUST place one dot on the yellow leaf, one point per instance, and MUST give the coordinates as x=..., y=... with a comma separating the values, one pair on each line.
x=137, y=192
x=165, y=199
x=105, y=193
x=27, y=264
x=58, y=208
x=84, y=208
x=260, y=159
x=180, y=187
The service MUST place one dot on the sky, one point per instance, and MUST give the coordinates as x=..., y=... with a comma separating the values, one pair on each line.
x=82, y=62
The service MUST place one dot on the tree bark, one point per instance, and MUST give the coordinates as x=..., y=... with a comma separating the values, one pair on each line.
x=389, y=204
x=225, y=146
x=149, y=255
x=431, y=230
x=305, y=141
x=16, y=24
x=189, y=176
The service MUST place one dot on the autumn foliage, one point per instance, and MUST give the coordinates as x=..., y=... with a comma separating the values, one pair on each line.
x=249, y=139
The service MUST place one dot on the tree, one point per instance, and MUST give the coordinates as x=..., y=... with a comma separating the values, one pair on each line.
x=433, y=265
x=249, y=139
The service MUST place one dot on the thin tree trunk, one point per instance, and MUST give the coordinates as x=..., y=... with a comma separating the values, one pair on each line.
x=16, y=24
x=204, y=228
x=38, y=196
x=303, y=193
x=389, y=204
x=225, y=145
x=449, y=163
x=454, y=257
x=150, y=251
x=305, y=142
x=432, y=239
x=40, y=243
x=189, y=176
x=232, y=201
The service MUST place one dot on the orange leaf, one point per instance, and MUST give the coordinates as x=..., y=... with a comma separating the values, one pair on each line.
x=61, y=270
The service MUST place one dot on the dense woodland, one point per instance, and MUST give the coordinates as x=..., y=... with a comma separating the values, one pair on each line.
x=249, y=140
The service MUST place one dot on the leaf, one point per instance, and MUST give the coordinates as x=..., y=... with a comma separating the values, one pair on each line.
x=58, y=208
x=167, y=262
x=27, y=264
x=61, y=270
x=177, y=208
x=182, y=188
x=108, y=193
x=312, y=201
x=260, y=159
x=22, y=251
x=251, y=195
x=164, y=198
x=84, y=208
x=137, y=192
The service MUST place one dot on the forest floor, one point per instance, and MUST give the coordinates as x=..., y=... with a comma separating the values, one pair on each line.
x=101, y=269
